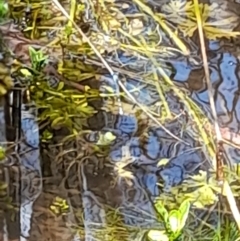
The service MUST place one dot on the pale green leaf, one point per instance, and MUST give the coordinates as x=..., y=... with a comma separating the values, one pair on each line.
x=184, y=212
x=163, y=162
x=105, y=139
x=161, y=210
x=25, y=72
x=157, y=235
x=174, y=221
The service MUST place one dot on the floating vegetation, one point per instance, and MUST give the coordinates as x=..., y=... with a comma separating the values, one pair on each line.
x=75, y=59
x=217, y=21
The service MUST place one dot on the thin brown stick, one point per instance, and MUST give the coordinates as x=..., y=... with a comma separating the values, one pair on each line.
x=225, y=184
x=206, y=69
x=114, y=76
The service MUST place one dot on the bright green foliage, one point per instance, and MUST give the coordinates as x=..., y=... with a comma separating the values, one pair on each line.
x=2, y=153
x=174, y=221
x=59, y=105
x=59, y=206
x=3, y=10
x=105, y=139
x=37, y=59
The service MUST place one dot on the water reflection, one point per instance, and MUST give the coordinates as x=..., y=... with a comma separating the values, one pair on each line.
x=92, y=197
x=22, y=176
x=224, y=73
x=125, y=178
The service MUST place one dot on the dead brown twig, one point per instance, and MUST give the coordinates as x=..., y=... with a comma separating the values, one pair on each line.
x=219, y=170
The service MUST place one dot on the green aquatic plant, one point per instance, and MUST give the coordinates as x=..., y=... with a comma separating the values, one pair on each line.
x=3, y=10
x=105, y=139
x=59, y=206
x=174, y=222
x=201, y=190
x=59, y=105
x=6, y=202
x=217, y=21
x=37, y=58
x=2, y=153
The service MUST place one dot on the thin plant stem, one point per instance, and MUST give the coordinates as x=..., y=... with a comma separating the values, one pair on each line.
x=225, y=185
x=114, y=76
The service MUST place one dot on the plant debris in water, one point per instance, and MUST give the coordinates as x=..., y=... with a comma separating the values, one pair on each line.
x=61, y=74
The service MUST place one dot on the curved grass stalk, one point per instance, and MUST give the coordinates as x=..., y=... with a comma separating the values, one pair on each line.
x=161, y=95
x=177, y=40
x=225, y=184
x=114, y=76
x=157, y=84
x=34, y=23
x=72, y=13
x=206, y=69
x=188, y=103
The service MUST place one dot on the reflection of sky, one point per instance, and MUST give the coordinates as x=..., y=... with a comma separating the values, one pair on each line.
x=29, y=161
x=230, y=81
x=182, y=70
x=225, y=82
x=224, y=78
x=29, y=170
x=222, y=74
x=214, y=45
